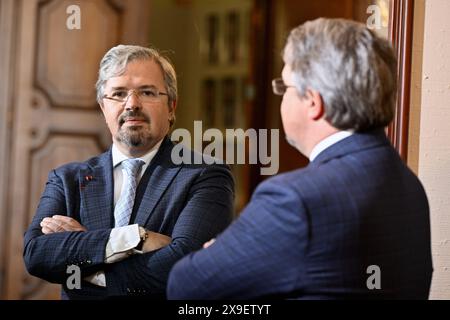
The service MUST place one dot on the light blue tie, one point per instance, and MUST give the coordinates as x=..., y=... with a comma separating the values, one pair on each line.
x=124, y=205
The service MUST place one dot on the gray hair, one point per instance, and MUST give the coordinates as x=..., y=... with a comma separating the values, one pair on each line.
x=352, y=68
x=116, y=59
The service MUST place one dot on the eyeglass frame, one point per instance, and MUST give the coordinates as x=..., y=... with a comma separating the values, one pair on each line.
x=279, y=87
x=135, y=91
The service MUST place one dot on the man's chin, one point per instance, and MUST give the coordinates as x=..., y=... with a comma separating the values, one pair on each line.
x=140, y=129
x=134, y=137
x=133, y=129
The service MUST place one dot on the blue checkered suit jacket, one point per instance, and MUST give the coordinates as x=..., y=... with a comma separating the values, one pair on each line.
x=190, y=203
x=313, y=233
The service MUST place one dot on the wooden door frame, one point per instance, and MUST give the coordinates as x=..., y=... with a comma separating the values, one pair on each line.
x=401, y=16
x=262, y=39
x=9, y=10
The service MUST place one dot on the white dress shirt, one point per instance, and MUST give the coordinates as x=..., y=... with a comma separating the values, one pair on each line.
x=119, y=176
x=122, y=240
x=328, y=142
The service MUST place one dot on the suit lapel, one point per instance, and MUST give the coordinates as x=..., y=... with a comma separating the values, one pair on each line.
x=154, y=183
x=96, y=192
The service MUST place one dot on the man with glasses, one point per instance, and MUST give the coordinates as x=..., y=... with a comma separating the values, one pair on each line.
x=122, y=219
x=355, y=222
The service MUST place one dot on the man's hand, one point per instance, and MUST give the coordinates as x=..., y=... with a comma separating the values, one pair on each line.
x=155, y=241
x=59, y=223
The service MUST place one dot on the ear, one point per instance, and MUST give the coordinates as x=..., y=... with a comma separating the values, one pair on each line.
x=316, y=108
x=173, y=107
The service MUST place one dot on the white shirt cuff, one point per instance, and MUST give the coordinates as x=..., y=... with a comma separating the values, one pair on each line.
x=122, y=242
x=98, y=279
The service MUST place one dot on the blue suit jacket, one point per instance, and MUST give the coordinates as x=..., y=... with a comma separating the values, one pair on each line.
x=314, y=232
x=189, y=203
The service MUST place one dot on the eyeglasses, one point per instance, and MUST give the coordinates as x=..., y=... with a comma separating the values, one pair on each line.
x=147, y=95
x=279, y=87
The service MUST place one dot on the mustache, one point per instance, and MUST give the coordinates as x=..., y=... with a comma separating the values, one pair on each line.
x=138, y=115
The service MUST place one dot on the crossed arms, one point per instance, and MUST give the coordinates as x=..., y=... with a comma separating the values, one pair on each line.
x=57, y=223
x=54, y=240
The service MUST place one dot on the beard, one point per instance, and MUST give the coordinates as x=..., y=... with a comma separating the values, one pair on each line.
x=134, y=136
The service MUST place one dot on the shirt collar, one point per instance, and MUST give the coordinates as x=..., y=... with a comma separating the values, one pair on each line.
x=328, y=142
x=118, y=156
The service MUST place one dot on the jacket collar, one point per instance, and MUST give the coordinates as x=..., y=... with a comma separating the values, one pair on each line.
x=354, y=143
x=97, y=193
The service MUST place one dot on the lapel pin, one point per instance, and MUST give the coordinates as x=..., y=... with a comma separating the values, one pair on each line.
x=89, y=178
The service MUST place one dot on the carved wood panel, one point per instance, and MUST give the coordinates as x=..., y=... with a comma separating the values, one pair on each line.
x=59, y=50
x=8, y=27
x=55, y=117
x=400, y=34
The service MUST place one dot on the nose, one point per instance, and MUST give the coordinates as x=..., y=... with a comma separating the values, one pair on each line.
x=133, y=102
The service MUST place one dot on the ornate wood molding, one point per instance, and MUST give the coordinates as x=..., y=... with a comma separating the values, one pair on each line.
x=9, y=21
x=400, y=34
x=58, y=55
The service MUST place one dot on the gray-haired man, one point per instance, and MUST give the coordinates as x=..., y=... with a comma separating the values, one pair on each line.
x=125, y=217
x=355, y=222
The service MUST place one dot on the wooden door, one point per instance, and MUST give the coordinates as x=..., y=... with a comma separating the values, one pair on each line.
x=54, y=117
